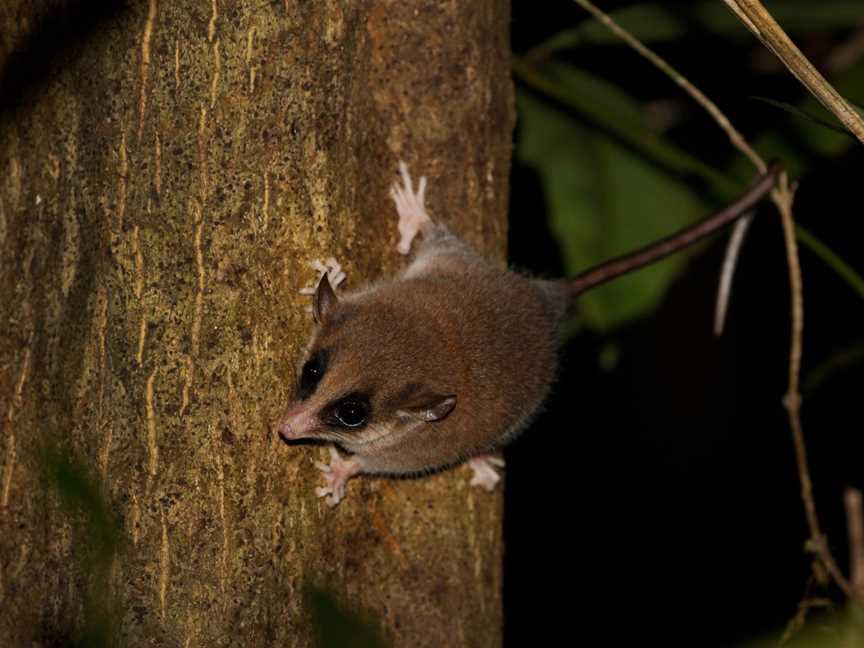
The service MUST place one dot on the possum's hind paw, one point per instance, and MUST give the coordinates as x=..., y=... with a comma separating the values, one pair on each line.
x=411, y=207
x=331, y=268
x=485, y=476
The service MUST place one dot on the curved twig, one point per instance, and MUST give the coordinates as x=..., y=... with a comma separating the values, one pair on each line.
x=782, y=196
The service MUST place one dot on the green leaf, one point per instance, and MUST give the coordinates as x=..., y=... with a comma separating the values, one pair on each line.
x=608, y=107
x=604, y=200
x=837, y=363
x=810, y=141
x=69, y=478
x=850, y=84
x=335, y=625
x=824, y=122
x=80, y=496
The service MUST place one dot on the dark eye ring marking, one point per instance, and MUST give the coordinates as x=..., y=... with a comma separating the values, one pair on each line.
x=312, y=373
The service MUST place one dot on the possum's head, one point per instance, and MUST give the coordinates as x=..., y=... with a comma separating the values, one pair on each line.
x=365, y=376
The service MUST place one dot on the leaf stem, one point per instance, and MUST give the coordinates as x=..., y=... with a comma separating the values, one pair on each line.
x=831, y=259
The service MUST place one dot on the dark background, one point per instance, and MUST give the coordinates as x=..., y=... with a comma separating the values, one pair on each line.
x=660, y=500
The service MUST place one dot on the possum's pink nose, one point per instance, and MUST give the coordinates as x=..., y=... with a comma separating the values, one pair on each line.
x=296, y=424
x=285, y=431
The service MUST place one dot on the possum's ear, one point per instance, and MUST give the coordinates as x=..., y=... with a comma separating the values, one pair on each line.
x=324, y=300
x=428, y=407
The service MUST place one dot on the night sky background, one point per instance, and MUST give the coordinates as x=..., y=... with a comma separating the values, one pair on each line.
x=660, y=500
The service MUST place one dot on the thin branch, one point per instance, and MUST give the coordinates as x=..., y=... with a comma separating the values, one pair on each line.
x=782, y=196
x=855, y=525
x=639, y=138
x=807, y=603
x=759, y=21
x=659, y=249
x=735, y=137
x=681, y=162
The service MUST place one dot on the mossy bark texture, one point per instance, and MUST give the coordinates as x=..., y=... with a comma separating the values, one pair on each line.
x=168, y=170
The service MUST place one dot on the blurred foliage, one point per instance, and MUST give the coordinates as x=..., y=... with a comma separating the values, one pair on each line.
x=816, y=119
x=335, y=625
x=838, y=362
x=81, y=498
x=802, y=141
x=613, y=182
x=79, y=494
x=604, y=201
x=818, y=624
x=654, y=23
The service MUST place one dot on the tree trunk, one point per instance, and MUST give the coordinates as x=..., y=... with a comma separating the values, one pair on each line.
x=169, y=170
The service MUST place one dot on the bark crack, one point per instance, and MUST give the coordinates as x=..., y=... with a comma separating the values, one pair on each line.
x=164, y=567
x=9, y=430
x=152, y=445
x=217, y=70
x=146, y=36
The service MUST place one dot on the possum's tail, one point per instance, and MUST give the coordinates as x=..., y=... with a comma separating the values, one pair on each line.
x=654, y=252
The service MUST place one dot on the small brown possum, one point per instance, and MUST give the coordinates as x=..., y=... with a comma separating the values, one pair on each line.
x=448, y=361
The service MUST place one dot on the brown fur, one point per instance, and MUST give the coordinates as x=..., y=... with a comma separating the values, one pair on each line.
x=455, y=355
x=452, y=324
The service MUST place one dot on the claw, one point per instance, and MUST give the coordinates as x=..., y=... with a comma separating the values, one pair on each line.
x=485, y=476
x=411, y=207
x=332, y=268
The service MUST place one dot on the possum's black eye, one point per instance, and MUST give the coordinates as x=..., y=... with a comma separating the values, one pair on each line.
x=352, y=412
x=312, y=373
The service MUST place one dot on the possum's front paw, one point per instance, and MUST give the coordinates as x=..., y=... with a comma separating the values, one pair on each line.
x=411, y=206
x=336, y=475
x=332, y=268
x=485, y=476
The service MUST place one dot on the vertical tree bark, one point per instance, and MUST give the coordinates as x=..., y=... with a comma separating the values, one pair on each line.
x=169, y=169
